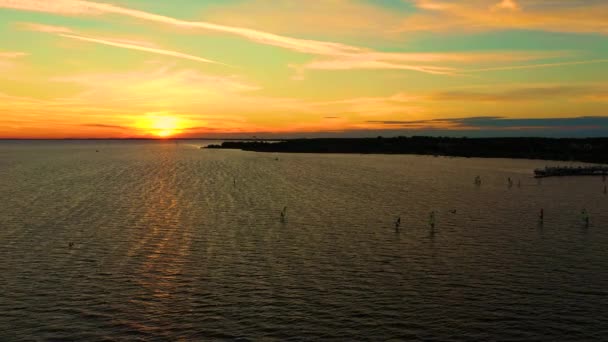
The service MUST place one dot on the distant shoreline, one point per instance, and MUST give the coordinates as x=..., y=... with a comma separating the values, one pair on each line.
x=589, y=150
x=134, y=139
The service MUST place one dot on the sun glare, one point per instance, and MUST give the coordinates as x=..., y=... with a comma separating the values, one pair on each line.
x=161, y=126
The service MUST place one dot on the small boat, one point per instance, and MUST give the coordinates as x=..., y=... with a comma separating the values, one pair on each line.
x=571, y=171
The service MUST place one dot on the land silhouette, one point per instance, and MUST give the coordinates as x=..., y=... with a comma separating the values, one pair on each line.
x=591, y=150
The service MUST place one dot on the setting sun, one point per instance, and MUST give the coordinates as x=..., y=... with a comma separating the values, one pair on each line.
x=304, y=170
x=161, y=126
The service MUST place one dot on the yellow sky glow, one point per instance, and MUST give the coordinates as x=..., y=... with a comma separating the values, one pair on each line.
x=228, y=68
x=163, y=126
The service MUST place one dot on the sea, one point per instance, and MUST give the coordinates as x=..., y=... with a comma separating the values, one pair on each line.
x=165, y=241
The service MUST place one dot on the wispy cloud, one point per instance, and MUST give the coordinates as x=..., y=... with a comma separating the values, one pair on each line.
x=350, y=64
x=527, y=93
x=336, y=18
x=64, y=7
x=7, y=59
x=538, y=66
x=337, y=56
x=107, y=126
x=12, y=55
x=88, y=8
x=223, y=102
x=138, y=47
x=507, y=5
x=402, y=61
x=43, y=28
x=125, y=44
x=158, y=88
x=502, y=123
x=488, y=15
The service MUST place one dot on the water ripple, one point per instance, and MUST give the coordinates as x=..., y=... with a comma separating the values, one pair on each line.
x=175, y=243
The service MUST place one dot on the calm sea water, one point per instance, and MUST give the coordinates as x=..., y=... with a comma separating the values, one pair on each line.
x=175, y=243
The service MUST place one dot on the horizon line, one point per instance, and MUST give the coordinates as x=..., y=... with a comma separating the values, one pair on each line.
x=305, y=138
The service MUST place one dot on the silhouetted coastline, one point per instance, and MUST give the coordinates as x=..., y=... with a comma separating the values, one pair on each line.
x=591, y=150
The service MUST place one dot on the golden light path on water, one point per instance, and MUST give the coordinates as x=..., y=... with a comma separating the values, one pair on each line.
x=172, y=242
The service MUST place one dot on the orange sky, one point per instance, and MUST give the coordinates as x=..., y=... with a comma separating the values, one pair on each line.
x=185, y=68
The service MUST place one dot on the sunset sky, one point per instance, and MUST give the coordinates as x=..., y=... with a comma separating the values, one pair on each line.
x=210, y=68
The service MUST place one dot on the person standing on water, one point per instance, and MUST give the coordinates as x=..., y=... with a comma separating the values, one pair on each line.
x=477, y=180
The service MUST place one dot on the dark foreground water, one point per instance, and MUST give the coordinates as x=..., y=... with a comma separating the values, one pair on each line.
x=174, y=243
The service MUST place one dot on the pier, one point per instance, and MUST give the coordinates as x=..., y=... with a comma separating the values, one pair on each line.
x=571, y=171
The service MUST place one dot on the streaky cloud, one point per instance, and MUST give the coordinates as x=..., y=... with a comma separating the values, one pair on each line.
x=43, y=28
x=453, y=16
x=527, y=93
x=349, y=64
x=12, y=55
x=7, y=59
x=507, y=5
x=64, y=7
x=120, y=43
x=535, y=66
x=503, y=123
x=88, y=8
x=131, y=46
x=105, y=126
x=339, y=56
